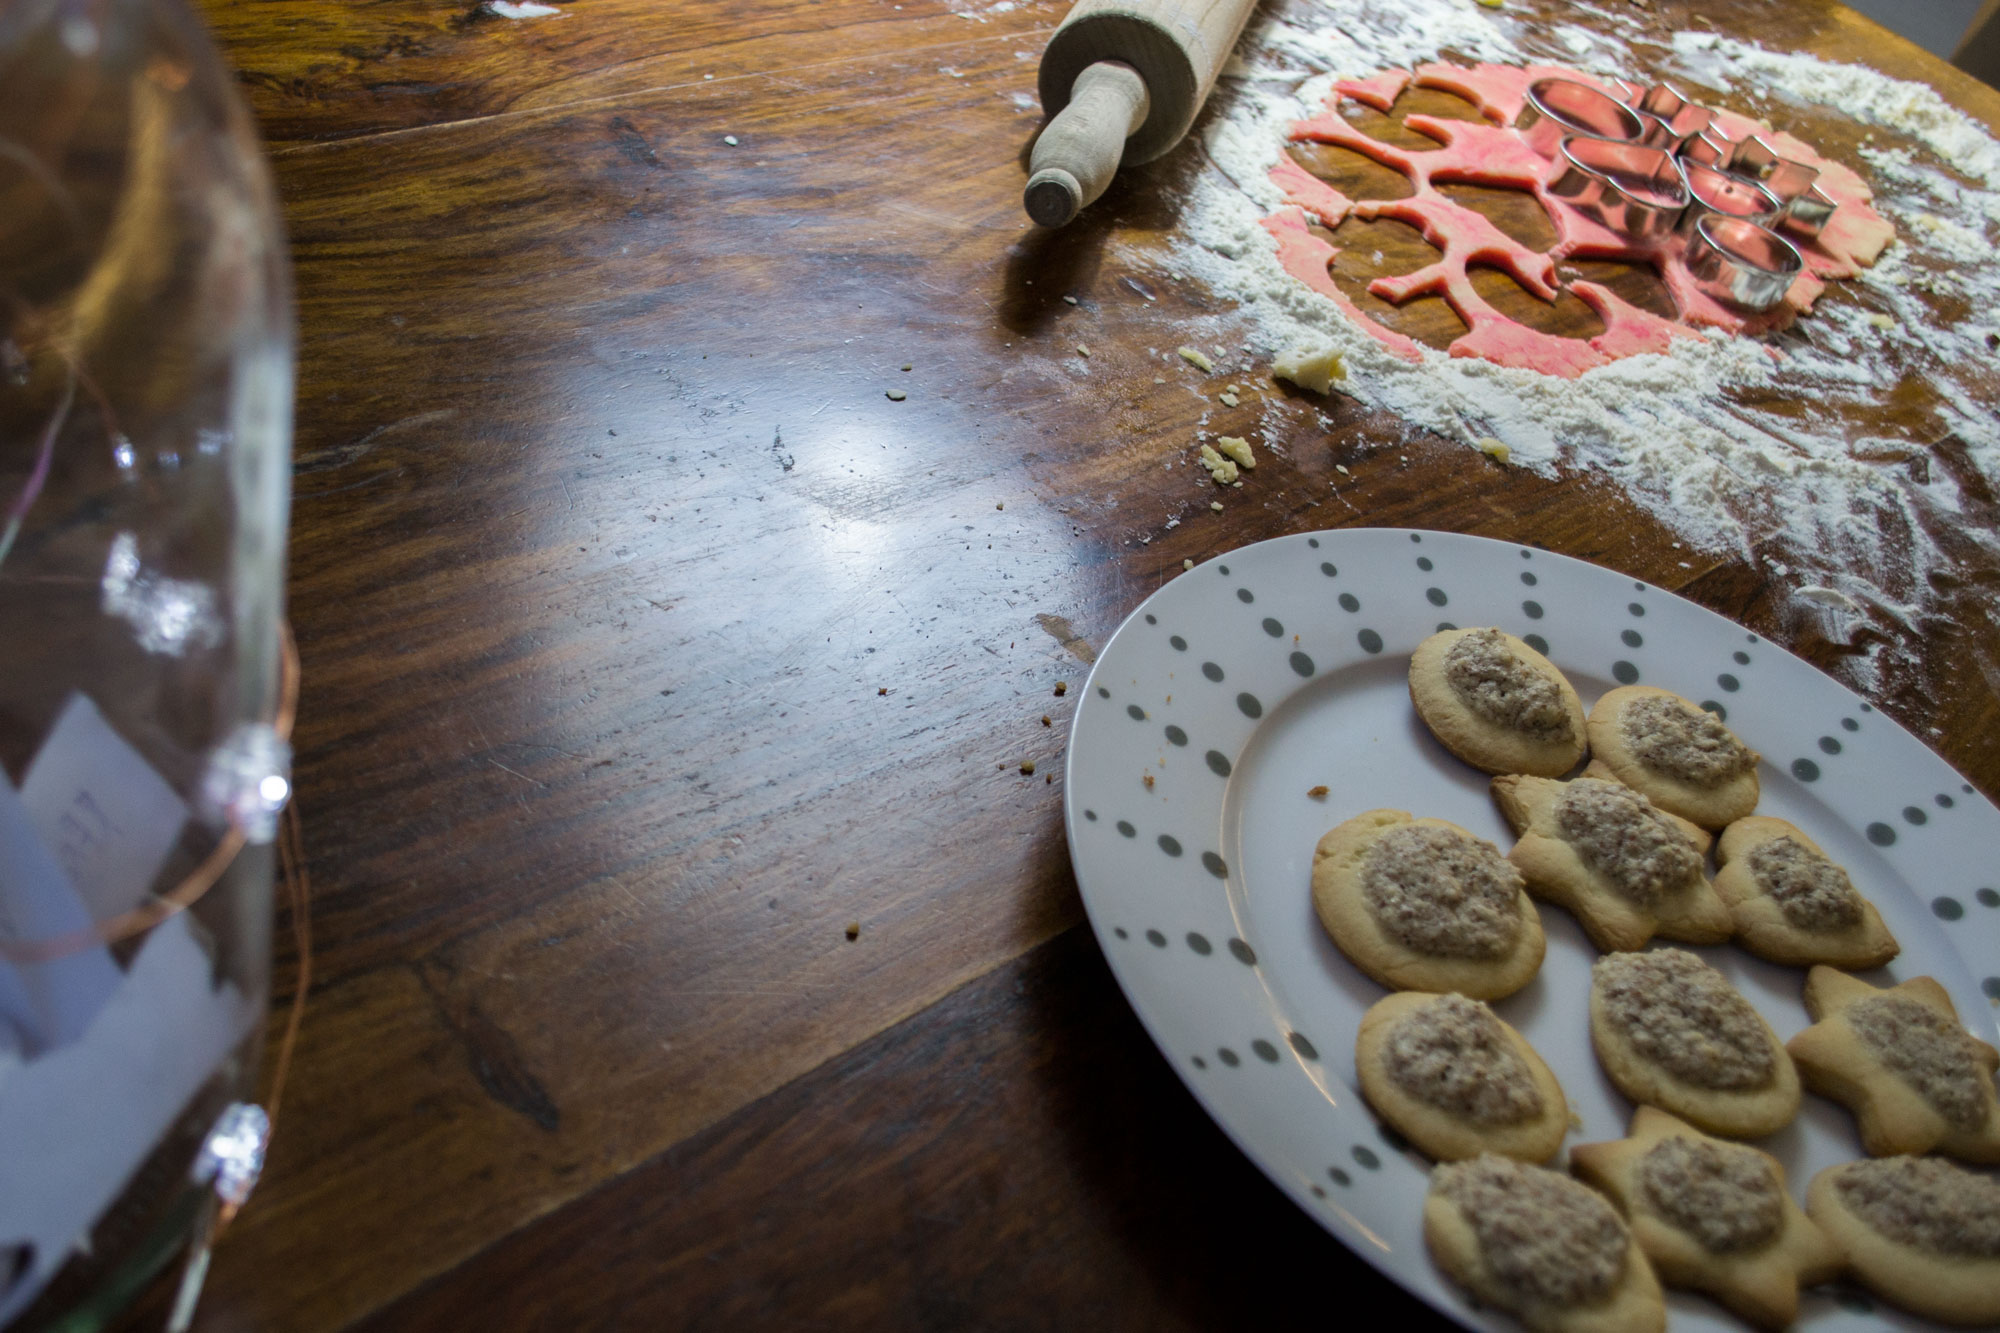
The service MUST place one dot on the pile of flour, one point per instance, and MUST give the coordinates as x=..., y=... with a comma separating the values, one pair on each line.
x=1710, y=437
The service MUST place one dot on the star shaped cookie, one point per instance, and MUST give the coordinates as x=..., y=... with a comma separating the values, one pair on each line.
x=1898, y=1058
x=1712, y=1216
x=1626, y=870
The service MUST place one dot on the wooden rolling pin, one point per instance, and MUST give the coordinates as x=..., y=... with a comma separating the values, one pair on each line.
x=1123, y=81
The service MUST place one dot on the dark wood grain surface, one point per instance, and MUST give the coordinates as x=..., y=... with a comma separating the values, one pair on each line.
x=649, y=646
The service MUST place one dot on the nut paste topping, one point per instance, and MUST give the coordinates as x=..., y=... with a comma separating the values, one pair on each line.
x=1723, y=1194
x=1812, y=892
x=1682, y=743
x=1438, y=892
x=1453, y=1054
x=1683, y=1015
x=1621, y=836
x=1925, y=1202
x=1547, y=1238
x=1493, y=680
x=1927, y=1051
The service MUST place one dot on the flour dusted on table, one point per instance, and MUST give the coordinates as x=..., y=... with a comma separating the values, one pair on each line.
x=1730, y=441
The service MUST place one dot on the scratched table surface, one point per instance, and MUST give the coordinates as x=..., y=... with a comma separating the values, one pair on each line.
x=649, y=646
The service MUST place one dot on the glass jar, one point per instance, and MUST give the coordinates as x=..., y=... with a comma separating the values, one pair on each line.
x=146, y=356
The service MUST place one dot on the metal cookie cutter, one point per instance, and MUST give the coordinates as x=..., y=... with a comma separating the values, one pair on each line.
x=1711, y=148
x=1807, y=213
x=1711, y=190
x=1782, y=176
x=1559, y=109
x=1737, y=261
x=1630, y=187
x=1669, y=119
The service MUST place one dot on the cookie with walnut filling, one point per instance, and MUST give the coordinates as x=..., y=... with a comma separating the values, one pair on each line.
x=1544, y=1248
x=1625, y=869
x=1456, y=1080
x=1898, y=1058
x=1713, y=1216
x=1681, y=757
x=1496, y=703
x=1792, y=904
x=1420, y=904
x=1672, y=1032
x=1918, y=1231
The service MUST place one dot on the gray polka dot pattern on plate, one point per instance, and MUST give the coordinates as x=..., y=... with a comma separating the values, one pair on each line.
x=1265, y=1051
x=1947, y=908
x=1170, y=844
x=1199, y=943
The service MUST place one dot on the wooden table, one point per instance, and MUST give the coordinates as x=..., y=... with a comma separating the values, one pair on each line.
x=650, y=649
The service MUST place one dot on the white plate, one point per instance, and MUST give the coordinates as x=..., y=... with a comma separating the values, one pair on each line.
x=1280, y=667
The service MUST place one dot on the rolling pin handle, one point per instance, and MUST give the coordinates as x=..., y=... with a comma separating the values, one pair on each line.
x=1079, y=151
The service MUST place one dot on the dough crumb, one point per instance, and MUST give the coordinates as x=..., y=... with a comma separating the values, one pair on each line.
x=1341, y=468
x=1082, y=351
x=896, y=395
x=853, y=930
x=1070, y=300
x=1314, y=370
x=1187, y=565
x=1317, y=793
x=1062, y=688
x=729, y=139
x=1494, y=449
x=1195, y=357
x=1027, y=768
x=1220, y=468
x=1216, y=505
x=1238, y=449
x=1229, y=399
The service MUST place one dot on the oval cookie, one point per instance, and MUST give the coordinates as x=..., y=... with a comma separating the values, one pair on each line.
x=1456, y=1080
x=1420, y=904
x=1683, y=759
x=1496, y=703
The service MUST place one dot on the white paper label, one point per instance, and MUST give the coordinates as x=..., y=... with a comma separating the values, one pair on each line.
x=76, y=1123
x=47, y=1003
x=107, y=816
